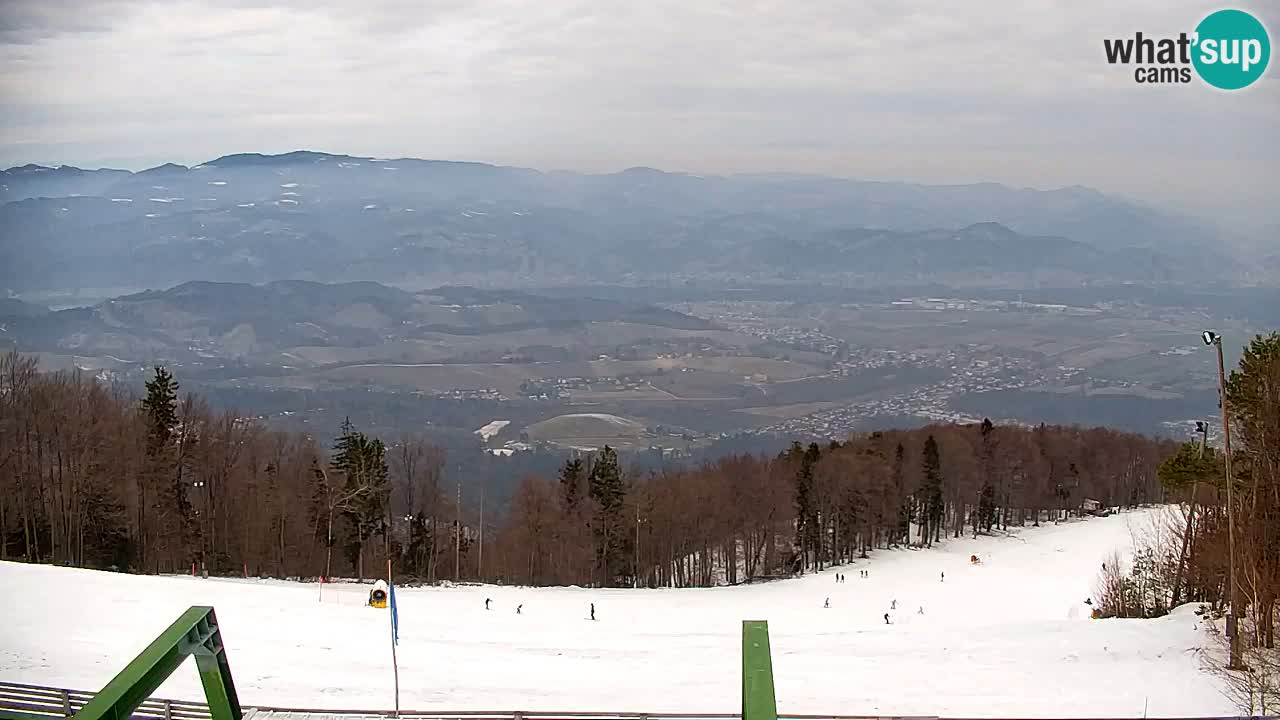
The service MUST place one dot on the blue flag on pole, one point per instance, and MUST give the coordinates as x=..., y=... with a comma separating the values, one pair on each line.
x=395, y=620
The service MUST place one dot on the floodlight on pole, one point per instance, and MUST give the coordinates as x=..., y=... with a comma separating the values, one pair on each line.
x=1213, y=339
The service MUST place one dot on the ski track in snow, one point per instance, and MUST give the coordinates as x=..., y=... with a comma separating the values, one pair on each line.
x=1005, y=638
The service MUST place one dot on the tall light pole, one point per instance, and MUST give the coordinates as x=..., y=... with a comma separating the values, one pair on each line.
x=1233, y=615
x=203, y=512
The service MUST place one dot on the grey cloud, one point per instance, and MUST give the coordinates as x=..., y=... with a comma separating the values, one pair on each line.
x=1006, y=91
x=28, y=21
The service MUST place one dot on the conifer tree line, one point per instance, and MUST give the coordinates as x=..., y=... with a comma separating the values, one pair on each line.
x=1193, y=562
x=92, y=475
x=744, y=518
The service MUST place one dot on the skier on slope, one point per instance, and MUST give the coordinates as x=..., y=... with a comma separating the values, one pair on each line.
x=593, y=611
x=920, y=611
x=518, y=609
x=826, y=603
x=486, y=603
x=886, y=618
x=893, y=605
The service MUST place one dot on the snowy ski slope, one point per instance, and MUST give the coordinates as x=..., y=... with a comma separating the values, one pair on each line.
x=1008, y=637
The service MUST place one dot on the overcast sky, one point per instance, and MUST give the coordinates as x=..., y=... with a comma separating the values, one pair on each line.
x=1015, y=92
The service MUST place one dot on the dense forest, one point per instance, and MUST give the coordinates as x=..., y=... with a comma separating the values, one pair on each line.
x=94, y=476
x=743, y=518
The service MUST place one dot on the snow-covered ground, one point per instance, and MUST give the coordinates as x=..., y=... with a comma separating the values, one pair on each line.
x=1008, y=637
x=492, y=428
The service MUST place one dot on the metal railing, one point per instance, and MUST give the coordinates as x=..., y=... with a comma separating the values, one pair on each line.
x=62, y=703
x=269, y=713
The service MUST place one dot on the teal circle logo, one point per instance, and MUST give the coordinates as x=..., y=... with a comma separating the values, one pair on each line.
x=1231, y=49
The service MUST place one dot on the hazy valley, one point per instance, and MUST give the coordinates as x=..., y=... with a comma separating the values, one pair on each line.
x=643, y=309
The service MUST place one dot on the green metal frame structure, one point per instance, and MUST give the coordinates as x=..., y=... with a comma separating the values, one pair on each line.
x=758, y=701
x=194, y=633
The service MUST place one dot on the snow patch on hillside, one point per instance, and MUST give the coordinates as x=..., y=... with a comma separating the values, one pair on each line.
x=492, y=428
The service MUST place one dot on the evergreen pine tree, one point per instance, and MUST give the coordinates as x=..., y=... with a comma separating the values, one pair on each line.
x=606, y=488
x=806, y=509
x=903, y=534
x=987, y=507
x=362, y=462
x=803, y=486
x=932, y=491
x=160, y=405
x=985, y=514
x=813, y=528
x=164, y=511
x=1188, y=466
x=571, y=476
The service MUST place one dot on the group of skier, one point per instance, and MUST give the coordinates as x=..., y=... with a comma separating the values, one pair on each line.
x=840, y=578
x=893, y=605
x=488, y=605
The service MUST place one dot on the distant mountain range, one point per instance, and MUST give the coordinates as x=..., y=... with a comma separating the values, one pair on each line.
x=315, y=216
